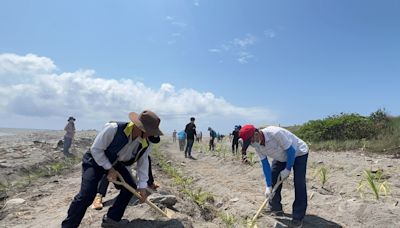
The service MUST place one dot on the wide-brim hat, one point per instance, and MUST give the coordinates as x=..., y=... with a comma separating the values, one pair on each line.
x=71, y=118
x=147, y=121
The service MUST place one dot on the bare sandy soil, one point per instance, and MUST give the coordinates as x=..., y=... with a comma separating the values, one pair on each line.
x=237, y=188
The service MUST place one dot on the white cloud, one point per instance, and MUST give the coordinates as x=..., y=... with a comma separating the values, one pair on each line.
x=238, y=47
x=270, y=33
x=244, y=42
x=28, y=64
x=176, y=34
x=244, y=57
x=179, y=24
x=53, y=96
x=175, y=23
x=215, y=50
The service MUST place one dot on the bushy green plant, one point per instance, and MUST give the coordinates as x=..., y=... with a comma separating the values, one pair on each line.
x=338, y=127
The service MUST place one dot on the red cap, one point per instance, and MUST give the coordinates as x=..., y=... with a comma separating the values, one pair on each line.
x=246, y=132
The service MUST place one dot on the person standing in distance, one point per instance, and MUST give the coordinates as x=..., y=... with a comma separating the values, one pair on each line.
x=190, y=131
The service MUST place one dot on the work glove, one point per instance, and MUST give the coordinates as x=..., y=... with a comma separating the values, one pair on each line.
x=268, y=191
x=284, y=174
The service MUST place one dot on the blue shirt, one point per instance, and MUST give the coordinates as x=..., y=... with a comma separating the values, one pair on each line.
x=181, y=135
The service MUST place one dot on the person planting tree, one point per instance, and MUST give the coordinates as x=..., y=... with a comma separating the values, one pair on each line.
x=288, y=152
x=115, y=144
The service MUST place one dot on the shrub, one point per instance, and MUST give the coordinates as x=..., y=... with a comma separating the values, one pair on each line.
x=345, y=127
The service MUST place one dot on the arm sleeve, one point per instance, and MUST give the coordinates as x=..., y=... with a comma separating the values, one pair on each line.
x=100, y=144
x=267, y=172
x=143, y=168
x=291, y=155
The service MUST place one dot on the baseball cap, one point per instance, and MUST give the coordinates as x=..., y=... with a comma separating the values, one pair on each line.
x=246, y=133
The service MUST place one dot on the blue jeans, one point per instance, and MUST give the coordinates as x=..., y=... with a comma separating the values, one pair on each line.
x=189, y=144
x=67, y=145
x=299, y=206
x=91, y=175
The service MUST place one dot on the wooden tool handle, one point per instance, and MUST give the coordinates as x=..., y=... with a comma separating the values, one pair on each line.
x=134, y=192
x=278, y=183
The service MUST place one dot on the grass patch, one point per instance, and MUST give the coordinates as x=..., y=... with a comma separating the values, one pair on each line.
x=50, y=168
x=374, y=182
x=322, y=173
x=198, y=196
x=228, y=219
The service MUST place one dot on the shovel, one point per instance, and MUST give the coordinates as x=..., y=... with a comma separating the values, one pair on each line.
x=278, y=183
x=167, y=213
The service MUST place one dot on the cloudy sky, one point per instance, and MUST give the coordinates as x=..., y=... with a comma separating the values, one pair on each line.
x=224, y=62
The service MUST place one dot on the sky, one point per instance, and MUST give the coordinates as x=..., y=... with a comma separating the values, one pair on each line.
x=225, y=62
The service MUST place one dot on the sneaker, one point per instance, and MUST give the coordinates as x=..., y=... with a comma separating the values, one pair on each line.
x=296, y=223
x=110, y=223
x=185, y=155
x=271, y=212
x=191, y=157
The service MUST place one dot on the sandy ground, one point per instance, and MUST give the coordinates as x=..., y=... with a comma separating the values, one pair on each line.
x=237, y=188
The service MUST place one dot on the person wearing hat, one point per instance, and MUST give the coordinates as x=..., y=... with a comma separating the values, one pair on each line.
x=103, y=184
x=69, y=135
x=288, y=152
x=115, y=144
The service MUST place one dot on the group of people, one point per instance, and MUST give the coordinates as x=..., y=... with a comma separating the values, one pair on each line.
x=120, y=144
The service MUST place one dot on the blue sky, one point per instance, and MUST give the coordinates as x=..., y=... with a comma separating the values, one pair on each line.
x=264, y=62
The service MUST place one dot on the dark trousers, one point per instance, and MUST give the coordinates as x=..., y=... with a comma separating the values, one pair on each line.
x=189, y=144
x=91, y=175
x=103, y=184
x=300, y=190
x=211, y=146
x=182, y=144
x=150, y=181
x=67, y=145
x=235, y=145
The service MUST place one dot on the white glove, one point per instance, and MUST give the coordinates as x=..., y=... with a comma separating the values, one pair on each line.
x=284, y=174
x=268, y=191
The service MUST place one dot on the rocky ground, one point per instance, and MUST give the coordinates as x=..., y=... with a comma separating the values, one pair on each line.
x=235, y=189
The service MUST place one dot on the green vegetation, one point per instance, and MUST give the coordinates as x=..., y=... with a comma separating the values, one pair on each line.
x=374, y=182
x=51, y=168
x=198, y=196
x=377, y=132
x=322, y=173
x=228, y=219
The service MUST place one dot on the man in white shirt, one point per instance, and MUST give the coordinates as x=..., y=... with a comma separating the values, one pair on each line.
x=288, y=151
x=115, y=144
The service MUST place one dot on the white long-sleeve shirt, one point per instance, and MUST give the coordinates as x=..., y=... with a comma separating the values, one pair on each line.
x=104, y=139
x=277, y=141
